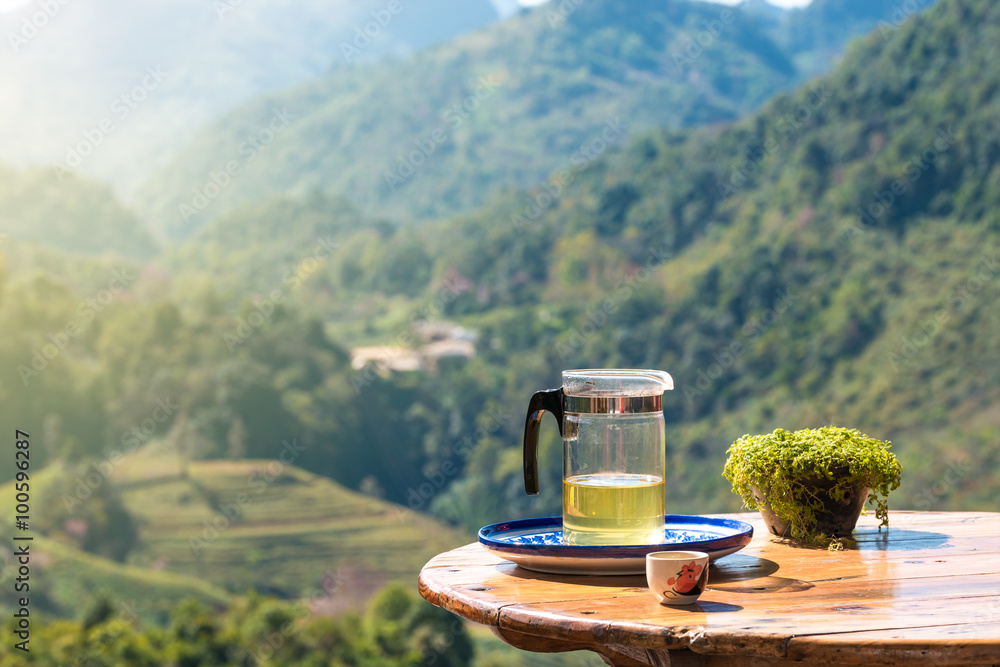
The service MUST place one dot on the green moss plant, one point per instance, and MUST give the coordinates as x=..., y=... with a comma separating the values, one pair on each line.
x=793, y=470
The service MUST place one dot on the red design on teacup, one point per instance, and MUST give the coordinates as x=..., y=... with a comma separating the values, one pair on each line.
x=686, y=579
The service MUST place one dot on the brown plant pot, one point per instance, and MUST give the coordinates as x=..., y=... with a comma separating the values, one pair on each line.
x=837, y=518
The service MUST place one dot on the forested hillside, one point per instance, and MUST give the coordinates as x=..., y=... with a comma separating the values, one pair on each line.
x=70, y=213
x=817, y=34
x=828, y=260
x=505, y=105
x=832, y=260
x=735, y=258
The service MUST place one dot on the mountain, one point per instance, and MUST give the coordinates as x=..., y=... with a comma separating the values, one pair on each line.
x=156, y=71
x=831, y=259
x=817, y=34
x=507, y=104
x=70, y=213
x=503, y=106
x=769, y=15
x=254, y=248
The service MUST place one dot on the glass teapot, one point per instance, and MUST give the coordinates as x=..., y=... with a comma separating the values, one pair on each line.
x=611, y=422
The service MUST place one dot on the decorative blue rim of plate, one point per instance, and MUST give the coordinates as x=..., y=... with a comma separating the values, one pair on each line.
x=543, y=536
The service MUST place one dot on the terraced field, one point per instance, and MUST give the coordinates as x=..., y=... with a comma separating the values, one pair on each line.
x=64, y=579
x=272, y=526
x=210, y=528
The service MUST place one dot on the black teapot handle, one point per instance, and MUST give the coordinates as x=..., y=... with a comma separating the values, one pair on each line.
x=550, y=400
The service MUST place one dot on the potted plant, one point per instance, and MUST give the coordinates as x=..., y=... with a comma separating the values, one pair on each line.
x=812, y=484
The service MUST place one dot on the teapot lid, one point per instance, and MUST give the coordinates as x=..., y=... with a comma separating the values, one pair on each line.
x=617, y=382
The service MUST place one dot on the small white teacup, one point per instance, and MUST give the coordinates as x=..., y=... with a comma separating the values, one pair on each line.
x=677, y=577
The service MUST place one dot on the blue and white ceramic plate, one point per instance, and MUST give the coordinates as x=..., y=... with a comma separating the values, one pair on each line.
x=537, y=544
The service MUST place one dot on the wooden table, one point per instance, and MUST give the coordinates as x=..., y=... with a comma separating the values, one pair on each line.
x=926, y=592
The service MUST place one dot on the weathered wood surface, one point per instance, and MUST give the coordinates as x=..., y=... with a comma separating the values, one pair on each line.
x=925, y=592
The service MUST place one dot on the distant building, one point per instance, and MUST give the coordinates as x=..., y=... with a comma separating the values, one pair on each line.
x=444, y=340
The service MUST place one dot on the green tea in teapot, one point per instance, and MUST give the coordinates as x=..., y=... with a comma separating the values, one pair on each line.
x=614, y=453
x=613, y=508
